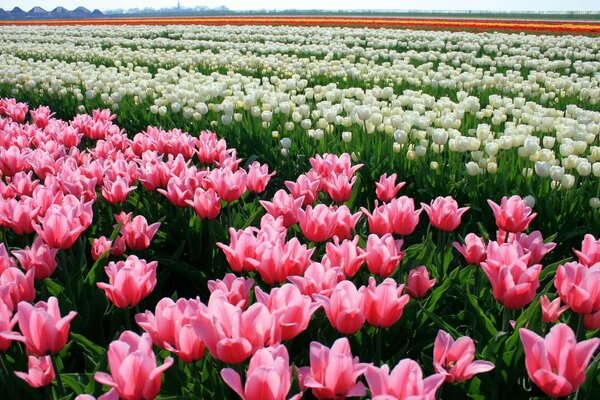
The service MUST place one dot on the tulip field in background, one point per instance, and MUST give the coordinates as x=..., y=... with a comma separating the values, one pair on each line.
x=278, y=212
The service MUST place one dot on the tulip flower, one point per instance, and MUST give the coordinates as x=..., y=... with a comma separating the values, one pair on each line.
x=318, y=279
x=138, y=234
x=19, y=216
x=281, y=259
x=229, y=185
x=100, y=246
x=241, y=252
x=551, y=310
x=206, y=203
x=237, y=289
x=130, y=281
x=178, y=191
x=230, y=334
x=344, y=308
x=404, y=382
x=268, y=376
x=258, y=177
x=402, y=216
x=43, y=331
x=379, y=222
x=284, y=205
x=345, y=222
x=513, y=214
x=557, y=362
x=590, y=251
x=579, y=286
x=454, y=359
x=60, y=227
x=170, y=328
x=15, y=286
x=304, y=187
x=7, y=323
x=317, y=224
x=513, y=285
x=418, y=282
x=339, y=186
x=333, y=372
x=474, y=249
x=384, y=304
x=534, y=245
x=40, y=371
x=444, y=213
x=116, y=191
x=134, y=374
x=386, y=189
x=346, y=255
x=291, y=310
x=383, y=254
x=39, y=257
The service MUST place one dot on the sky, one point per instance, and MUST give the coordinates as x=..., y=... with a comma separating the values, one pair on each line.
x=499, y=5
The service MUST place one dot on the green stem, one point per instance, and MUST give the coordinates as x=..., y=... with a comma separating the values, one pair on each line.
x=11, y=390
x=505, y=320
x=128, y=318
x=378, y=335
x=63, y=261
x=61, y=387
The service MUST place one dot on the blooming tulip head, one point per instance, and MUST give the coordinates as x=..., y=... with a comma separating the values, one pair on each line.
x=404, y=382
x=444, y=213
x=39, y=257
x=418, y=282
x=317, y=223
x=513, y=285
x=7, y=323
x=100, y=246
x=384, y=303
x=344, y=308
x=258, y=177
x=455, y=358
x=40, y=372
x=133, y=370
x=551, y=310
x=237, y=289
x=138, y=234
x=386, y=189
x=130, y=281
x=333, y=372
x=383, y=254
x=474, y=249
x=590, y=251
x=557, y=363
x=513, y=214
x=402, y=215
x=579, y=286
x=42, y=329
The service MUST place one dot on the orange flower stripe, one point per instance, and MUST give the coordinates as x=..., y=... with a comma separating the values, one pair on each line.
x=476, y=24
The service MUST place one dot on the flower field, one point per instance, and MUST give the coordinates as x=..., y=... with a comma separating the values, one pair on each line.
x=276, y=212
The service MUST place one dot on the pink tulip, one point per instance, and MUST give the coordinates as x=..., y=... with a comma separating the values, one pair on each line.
x=318, y=279
x=418, y=282
x=454, y=359
x=43, y=331
x=281, y=259
x=534, y=245
x=60, y=227
x=237, y=289
x=304, y=187
x=268, y=376
x=7, y=323
x=551, y=310
x=206, y=203
x=444, y=213
x=258, y=177
x=592, y=321
x=379, y=222
x=132, y=364
x=284, y=205
x=41, y=116
x=15, y=286
x=40, y=372
x=346, y=255
x=345, y=222
x=590, y=251
x=384, y=303
x=505, y=254
x=209, y=147
x=19, y=215
x=170, y=328
x=386, y=189
x=579, y=286
x=138, y=234
x=402, y=215
x=39, y=257
x=344, y=308
x=513, y=285
x=339, y=186
x=130, y=281
x=513, y=214
x=317, y=224
x=404, y=382
x=474, y=249
x=241, y=252
x=291, y=310
x=229, y=185
x=230, y=334
x=118, y=247
x=557, y=363
x=327, y=164
x=178, y=191
x=116, y=191
x=383, y=254
x=100, y=246
x=333, y=372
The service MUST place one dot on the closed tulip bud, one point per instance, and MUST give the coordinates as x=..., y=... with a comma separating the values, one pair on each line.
x=418, y=282
x=444, y=213
x=344, y=308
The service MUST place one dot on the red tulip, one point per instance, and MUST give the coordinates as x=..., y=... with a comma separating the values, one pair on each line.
x=557, y=363
x=40, y=371
x=384, y=303
x=333, y=372
x=134, y=374
x=513, y=214
x=444, y=213
x=43, y=331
